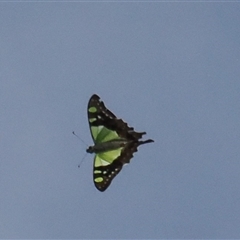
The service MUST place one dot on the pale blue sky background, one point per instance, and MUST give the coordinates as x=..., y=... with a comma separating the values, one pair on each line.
x=170, y=69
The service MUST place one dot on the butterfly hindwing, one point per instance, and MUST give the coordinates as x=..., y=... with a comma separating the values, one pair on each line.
x=115, y=142
x=104, y=174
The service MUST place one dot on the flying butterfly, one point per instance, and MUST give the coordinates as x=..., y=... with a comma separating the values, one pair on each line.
x=114, y=142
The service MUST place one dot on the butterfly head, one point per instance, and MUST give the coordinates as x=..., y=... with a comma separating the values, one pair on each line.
x=90, y=149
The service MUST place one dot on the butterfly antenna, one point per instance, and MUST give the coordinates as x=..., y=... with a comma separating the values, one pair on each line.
x=79, y=138
x=79, y=165
x=84, y=144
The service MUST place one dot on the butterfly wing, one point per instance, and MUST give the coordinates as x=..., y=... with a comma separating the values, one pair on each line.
x=104, y=127
x=105, y=171
x=102, y=120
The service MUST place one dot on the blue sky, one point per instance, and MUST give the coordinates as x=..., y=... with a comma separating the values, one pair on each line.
x=170, y=69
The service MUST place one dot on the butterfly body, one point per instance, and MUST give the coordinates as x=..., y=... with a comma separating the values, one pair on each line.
x=114, y=142
x=106, y=146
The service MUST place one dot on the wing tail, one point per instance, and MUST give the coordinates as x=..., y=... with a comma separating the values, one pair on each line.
x=146, y=141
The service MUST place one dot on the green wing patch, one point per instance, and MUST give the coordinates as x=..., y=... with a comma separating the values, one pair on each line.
x=114, y=142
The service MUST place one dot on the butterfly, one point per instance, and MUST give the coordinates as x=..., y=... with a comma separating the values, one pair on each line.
x=114, y=142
